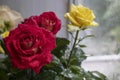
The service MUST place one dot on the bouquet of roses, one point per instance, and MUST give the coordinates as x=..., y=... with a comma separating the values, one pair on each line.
x=33, y=52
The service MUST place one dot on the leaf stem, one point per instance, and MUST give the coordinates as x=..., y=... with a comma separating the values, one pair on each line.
x=71, y=52
x=84, y=38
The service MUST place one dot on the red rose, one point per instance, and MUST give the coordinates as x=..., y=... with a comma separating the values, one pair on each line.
x=30, y=47
x=48, y=20
x=33, y=20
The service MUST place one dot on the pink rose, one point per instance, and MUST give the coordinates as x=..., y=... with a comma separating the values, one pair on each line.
x=29, y=47
x=48, y=20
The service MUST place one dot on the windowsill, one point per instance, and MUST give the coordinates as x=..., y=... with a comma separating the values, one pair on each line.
x=103, y=58
x=94, y=58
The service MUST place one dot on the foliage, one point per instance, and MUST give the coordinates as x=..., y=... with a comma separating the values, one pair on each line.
x=57, y=69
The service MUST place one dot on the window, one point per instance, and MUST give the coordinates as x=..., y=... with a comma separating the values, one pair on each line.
x=107, y=34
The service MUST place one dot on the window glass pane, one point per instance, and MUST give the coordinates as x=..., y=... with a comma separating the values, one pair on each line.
x=107, y=34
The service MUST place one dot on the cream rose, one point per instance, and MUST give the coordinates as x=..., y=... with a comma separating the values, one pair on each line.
x=9, y=16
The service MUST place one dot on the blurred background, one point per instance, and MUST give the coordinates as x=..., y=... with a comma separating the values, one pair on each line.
x=102, y=50
x=107, y=35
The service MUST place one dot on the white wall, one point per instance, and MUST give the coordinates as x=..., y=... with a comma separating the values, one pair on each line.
x=36, y=7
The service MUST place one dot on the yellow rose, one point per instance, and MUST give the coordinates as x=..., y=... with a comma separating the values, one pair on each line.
x=1, y=50
x=80, y=17
x=5, y=34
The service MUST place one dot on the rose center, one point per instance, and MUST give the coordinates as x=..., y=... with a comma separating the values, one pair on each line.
x=48, y=24
x=26, y=43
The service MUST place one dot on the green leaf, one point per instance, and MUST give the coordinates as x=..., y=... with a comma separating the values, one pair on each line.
x=3, y=75
x=46, y=75
x=73, y=73
x=76, y=69
x=58, y=62
x=7, y=63
x=82, y=46
x=77, y=57
x=19, y=74
x=59, y=78
x=102, y=76
x=55, y=65
x=62, y=44
x=67, y=73
x=84, y=38
x=78, y=72
x=90, y=76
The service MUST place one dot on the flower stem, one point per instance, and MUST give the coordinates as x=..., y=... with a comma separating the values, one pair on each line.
x=74, y=44
x=30, y=75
